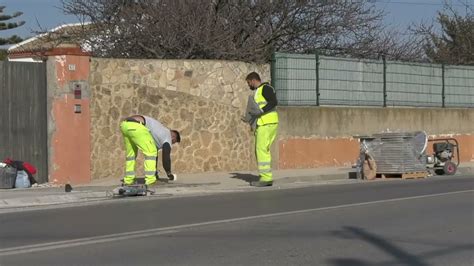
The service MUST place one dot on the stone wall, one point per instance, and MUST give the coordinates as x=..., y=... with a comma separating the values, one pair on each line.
x=203, y=99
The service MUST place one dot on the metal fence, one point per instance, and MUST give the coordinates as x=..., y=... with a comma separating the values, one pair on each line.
x=23, y=114
x=305, y=79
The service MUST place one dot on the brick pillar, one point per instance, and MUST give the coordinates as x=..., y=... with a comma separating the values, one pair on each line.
x=69, y=119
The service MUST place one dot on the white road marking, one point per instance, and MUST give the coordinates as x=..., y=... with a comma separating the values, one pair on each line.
x=175, y=229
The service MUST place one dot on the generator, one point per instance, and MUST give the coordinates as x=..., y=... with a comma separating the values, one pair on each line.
x=445, y=157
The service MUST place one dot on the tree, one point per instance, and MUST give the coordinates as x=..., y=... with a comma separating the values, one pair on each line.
x=3, y=54
x=248, y=30
x=11, y=25
x=455, y=43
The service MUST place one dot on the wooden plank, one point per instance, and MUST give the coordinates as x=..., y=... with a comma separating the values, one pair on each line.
x=415, y=175
x=408, y=175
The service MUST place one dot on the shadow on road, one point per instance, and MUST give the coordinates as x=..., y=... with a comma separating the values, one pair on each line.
x=400, y=256
x=246, y=177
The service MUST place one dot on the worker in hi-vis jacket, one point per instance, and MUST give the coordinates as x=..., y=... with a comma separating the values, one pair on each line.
x=148, y=135
x=262, y=116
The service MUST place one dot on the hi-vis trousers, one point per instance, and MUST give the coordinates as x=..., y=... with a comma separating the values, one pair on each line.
x=137, y=136
x=264, y=137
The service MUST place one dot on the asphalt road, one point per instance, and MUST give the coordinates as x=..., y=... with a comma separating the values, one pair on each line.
x=410, y=222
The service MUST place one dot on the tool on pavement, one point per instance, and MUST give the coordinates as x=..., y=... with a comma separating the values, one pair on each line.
x=131, y=191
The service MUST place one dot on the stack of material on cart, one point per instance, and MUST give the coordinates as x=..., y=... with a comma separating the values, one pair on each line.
x=397, y=153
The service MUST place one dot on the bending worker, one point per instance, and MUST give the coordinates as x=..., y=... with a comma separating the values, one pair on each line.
x=266, y=117
x=148, y=135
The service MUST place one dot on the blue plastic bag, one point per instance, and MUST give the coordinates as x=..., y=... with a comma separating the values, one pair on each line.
x=22, y=180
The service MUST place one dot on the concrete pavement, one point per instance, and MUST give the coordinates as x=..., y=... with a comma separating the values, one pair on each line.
x=187, y=184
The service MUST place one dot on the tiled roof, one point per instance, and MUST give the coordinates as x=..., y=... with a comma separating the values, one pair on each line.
x=60, y=37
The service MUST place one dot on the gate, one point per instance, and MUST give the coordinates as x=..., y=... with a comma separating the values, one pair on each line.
x=23, y=114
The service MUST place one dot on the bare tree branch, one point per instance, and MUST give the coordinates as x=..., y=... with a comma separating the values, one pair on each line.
x=247, y=30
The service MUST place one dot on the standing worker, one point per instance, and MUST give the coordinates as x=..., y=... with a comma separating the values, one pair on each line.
x=148, y=135
x=266, y=126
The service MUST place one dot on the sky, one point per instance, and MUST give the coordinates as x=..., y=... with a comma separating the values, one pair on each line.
x=400, y=13
x=403, y=13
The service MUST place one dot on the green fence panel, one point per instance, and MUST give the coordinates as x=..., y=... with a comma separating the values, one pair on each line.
x=311, y=80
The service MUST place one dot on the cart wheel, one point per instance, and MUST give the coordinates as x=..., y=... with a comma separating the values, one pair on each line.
x=449, y=168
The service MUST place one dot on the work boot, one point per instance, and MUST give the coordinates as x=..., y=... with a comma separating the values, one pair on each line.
x=261, y=183
x=159, y=181
x=127, y=183
x=150, y=181
x=172, y=177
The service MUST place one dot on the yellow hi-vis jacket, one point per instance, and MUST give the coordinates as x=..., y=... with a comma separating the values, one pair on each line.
x=270, y=117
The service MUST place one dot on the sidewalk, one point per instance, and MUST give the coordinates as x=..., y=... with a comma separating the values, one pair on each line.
x=187, y=184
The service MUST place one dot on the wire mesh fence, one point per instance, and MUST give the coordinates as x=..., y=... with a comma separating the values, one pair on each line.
x=310, y=79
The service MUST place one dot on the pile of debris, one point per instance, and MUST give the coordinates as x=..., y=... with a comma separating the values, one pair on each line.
x=16, y=174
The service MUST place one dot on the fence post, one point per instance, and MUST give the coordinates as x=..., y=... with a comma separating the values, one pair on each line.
x=384, y=61
x=443, y=94
x=272, y=70
x=317, y=78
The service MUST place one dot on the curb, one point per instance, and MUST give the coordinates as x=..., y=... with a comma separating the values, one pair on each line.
x=466, y=170
x=327, y=177
x=79, y=196
x=88, y=196
x=50, y=200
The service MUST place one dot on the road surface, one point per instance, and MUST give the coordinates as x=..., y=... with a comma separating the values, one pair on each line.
x=403, y=222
